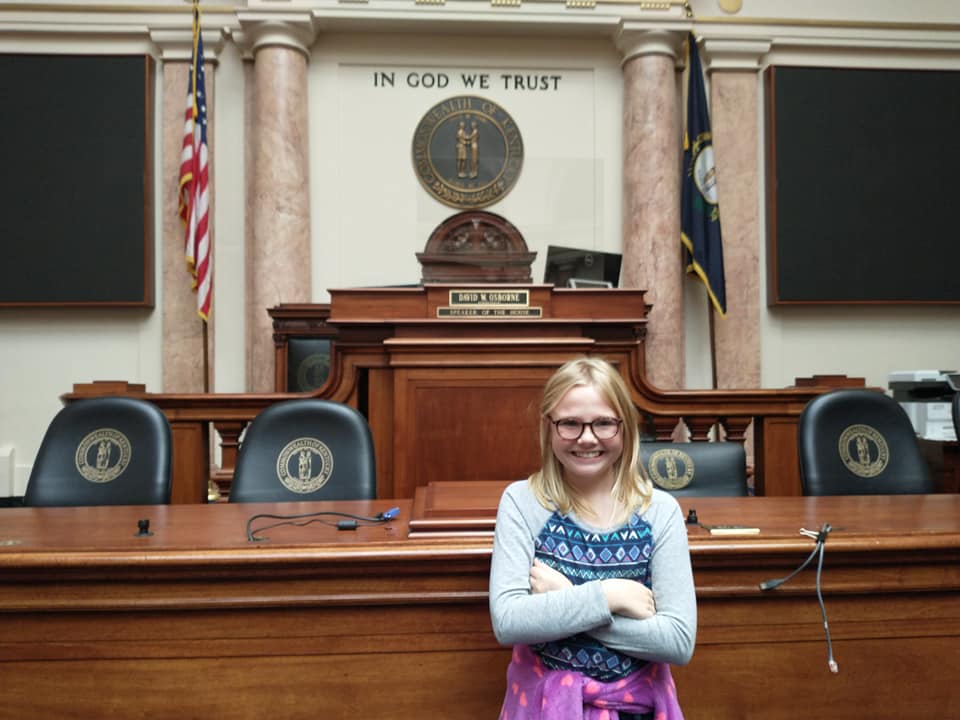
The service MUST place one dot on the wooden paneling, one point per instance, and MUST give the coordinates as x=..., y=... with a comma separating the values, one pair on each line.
x=465, y=424
x=191, y=441
x=195, y=621
x=780, y=463
x=282, y=663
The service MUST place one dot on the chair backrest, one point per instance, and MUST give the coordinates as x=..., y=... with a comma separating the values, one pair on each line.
x=696, y=468
x=103, y=451
x=305, y=449
x=859, y=442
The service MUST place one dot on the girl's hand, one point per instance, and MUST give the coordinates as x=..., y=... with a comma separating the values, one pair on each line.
x=544, y=578
x=629, y=598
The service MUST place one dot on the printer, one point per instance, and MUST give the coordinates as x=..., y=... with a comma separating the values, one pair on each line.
x=926, y=396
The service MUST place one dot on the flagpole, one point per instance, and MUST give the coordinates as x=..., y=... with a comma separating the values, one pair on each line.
x=713, y=343
x=699, y=211
x=203, y=321
x=206, y=358
x=193, y=189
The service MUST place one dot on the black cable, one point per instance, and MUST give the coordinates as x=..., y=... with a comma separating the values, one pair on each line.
x=831, y=663
x=771, y=584
x=818, y=551
x=377, y=519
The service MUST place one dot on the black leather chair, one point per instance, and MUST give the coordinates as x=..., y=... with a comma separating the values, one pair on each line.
x=308, y=449
x=103, y=451
x=308, y=363
x=859, y=442
x=696, y=468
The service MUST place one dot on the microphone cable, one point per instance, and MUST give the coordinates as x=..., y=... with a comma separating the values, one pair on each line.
x=351, y=523
x=818, y=552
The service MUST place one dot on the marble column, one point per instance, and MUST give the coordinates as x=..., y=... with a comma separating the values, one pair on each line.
x=183, y=342
x=732, y=67
x=651, y=194
x=278, y=245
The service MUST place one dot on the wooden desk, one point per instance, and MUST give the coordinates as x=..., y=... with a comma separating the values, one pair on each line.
x=196, y=622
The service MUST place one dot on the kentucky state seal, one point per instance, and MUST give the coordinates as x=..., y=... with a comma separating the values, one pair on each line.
x=467, y=152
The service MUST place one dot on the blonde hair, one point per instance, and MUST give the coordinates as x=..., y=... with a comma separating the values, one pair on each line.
x=631, y=486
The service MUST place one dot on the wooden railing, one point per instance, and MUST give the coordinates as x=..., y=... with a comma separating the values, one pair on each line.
x=765, y=419
x=455, y=399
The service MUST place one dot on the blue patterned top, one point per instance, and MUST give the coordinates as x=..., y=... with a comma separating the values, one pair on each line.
x=583, y=555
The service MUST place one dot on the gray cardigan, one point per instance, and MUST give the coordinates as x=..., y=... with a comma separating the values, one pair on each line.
x=521, y=617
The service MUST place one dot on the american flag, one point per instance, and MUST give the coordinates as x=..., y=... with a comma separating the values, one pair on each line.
x=194, y=178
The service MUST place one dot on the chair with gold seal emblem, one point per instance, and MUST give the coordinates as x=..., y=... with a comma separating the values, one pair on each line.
x=688, y=469
x=859, y=442
x=103, y=451
x=303, y=450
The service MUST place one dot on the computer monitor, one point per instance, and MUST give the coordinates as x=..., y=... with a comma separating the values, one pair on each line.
x=573, y=267
x=585, y=283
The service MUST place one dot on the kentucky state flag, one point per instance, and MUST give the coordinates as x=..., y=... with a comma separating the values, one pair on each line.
x=699, y=212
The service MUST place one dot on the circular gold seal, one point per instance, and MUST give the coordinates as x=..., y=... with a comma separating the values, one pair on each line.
x=304, y=465
x=313, y=371
x=864, y=451
x=467, y=152
x=670, y=469
x=103, y=455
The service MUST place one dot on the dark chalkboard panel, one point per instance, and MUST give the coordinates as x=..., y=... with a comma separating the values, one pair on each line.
x=76, y=144
x=863, y=181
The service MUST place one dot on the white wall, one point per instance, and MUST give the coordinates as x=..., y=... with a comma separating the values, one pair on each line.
x=371, y=214
x=868, y=342
x=43, y=352
x=229, y=367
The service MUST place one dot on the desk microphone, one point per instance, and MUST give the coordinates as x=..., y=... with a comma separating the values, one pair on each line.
x=818, y=550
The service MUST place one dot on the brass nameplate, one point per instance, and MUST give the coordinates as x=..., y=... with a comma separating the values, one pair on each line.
x=492, y=303
x=490, y=298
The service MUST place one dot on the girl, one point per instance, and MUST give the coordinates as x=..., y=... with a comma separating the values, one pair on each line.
x=590, y=578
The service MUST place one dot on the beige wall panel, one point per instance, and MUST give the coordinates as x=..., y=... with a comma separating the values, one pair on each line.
x=371, y=214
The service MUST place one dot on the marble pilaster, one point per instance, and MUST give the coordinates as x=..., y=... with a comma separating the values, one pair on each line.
x=278, y=246
x=732, y=66
x=651, y=194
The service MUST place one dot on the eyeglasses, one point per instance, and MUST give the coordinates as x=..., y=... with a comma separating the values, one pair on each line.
x=603, y=428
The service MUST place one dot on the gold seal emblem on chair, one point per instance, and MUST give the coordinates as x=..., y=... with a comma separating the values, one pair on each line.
x=864, y=451
x=670, y=469
x=103, y=455
x=304, y=465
